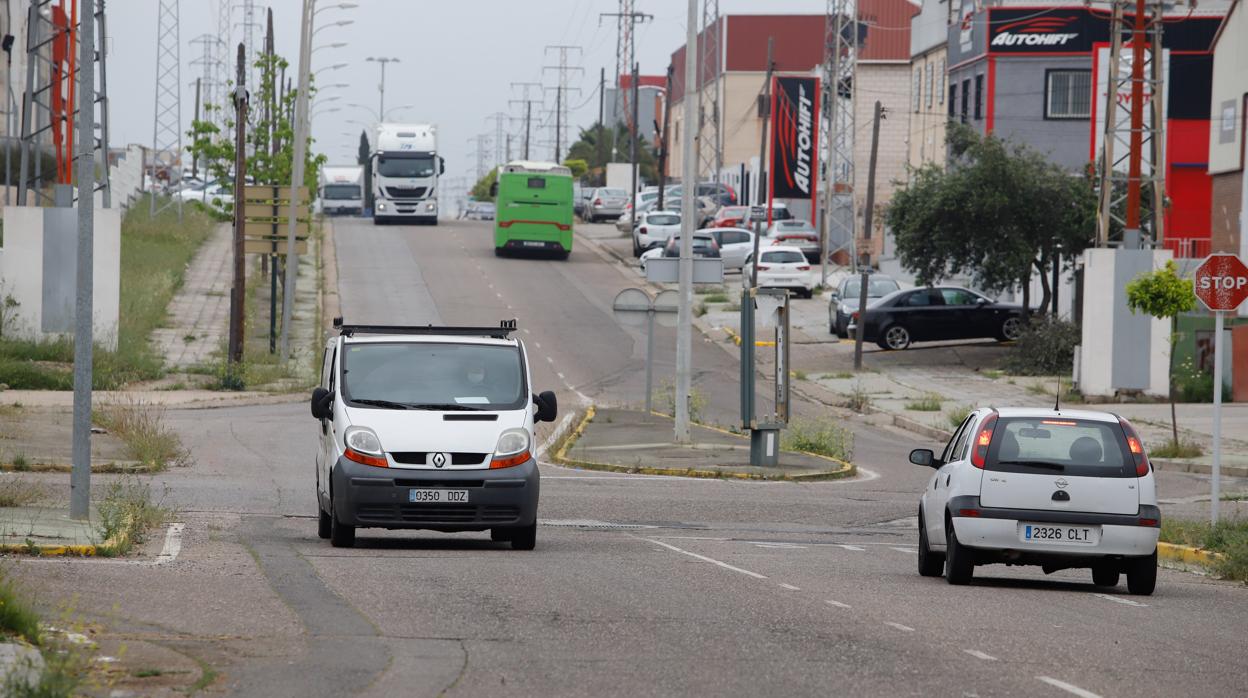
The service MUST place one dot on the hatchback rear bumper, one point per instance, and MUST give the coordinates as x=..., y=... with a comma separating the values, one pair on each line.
x=369, y=497
x=994, y=529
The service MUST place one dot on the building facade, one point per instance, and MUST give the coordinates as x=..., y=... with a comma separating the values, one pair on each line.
x=929, y=32
x=1228, y=106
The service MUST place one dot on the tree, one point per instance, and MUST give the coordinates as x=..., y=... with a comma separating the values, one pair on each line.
x=364, y=158
x=596, y=145
x=481, y=190
x=1165, y=295
x=579, y=167
x=999, y=212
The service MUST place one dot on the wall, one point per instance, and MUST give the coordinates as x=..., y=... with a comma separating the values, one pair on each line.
x=926, y=140
x=1228, y=134
x=1018, y=108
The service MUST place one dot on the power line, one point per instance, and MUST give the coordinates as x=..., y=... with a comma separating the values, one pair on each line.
x=562, y=89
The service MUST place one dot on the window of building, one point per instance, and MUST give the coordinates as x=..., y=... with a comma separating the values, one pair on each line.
x=953, y=98
x=917, y=96
x=979, y=97
x=930, y=84
x=940, y=81
x=966, y=98
x=1068, y=94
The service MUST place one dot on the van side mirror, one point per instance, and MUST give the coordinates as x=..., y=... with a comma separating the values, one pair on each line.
x=322, y=399
x=547, y=406
x=924, y=457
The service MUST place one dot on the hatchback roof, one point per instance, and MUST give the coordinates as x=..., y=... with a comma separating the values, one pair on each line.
x=1046, y=413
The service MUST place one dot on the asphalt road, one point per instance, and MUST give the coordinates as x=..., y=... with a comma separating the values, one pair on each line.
x=639, y=585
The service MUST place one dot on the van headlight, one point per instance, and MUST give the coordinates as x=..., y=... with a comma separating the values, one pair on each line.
x=363, y=446
x=512, y=448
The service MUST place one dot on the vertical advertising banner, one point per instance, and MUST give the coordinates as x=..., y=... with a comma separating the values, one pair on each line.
x=794, y=138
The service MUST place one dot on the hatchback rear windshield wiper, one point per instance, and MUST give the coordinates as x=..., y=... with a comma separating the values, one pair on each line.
x=383, y=403
x=1034, y=463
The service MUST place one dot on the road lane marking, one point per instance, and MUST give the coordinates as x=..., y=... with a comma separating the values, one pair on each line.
x=981, y=655
x=790, y=587
x=550, y=360
x=899, y=626
x=838, y=604
x=554, y=434
x=561, y=377
x=912, y=551
x=1119, y=599
x=782, y=546
x=704, y=558
x=1069, y=688
x=850, y=547
x=864, y=475
x=537, y=344
x=173, y=544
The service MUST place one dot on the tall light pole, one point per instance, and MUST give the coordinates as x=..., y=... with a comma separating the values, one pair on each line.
x=689, y=178
x=381, y=87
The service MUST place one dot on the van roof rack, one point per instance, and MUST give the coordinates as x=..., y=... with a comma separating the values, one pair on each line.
x=502, y=331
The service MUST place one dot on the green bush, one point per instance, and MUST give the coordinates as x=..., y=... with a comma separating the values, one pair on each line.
x=821, y=438
x=1045, y=348
x=1229, y=537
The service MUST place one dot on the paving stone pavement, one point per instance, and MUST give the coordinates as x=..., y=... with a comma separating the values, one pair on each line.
x=200, y=312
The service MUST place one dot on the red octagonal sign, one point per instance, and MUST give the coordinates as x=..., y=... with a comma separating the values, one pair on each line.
x=1221, y=282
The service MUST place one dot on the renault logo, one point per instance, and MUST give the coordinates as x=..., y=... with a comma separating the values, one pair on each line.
x=440, y=459
x=1061, y=483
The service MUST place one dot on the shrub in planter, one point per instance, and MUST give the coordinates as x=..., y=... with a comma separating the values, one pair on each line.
x=1045, y=348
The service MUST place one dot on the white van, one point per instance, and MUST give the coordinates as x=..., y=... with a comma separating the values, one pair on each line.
x=428, y=428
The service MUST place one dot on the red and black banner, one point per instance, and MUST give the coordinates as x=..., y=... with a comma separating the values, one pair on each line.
x=794, y=137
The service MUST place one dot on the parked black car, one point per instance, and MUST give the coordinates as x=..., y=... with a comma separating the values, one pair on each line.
x=940, y=312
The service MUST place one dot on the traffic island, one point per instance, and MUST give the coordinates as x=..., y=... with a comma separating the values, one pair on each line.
x=632, y=441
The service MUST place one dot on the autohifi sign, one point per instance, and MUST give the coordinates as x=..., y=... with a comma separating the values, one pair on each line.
x=794, y=137
x=1029, y=31
x=1221, y=282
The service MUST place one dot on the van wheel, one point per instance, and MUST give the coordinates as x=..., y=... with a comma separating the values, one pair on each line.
x=340, y=534
x=324, y=525
x=930, y=564
x=1105, y=576
x=524, y=538
x=959, y=567
x=1142, y=574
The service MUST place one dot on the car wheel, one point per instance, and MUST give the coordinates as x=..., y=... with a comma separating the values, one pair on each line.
x=959, y=567
x=1142, y=575
x=498, y=535
x=842, y=329
x=833, y=326
x=636, y=248
x=340, y=534
x=524, y=538
x=1105, y=576
x=930, y=564
x=324, y=525
x=1011, y=329
x=895, y=337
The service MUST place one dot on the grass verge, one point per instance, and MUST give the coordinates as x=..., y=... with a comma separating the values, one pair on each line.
x=928, y=403
x=1229, y=537
x=141, y=426
x=15, y=491
x=154, y=255
x=127, y=514
x=64, y=665
x=1179, y=449
x=959, y=415
x=819, y=438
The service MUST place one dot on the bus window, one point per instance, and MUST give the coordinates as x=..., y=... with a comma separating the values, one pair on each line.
x=537, y=182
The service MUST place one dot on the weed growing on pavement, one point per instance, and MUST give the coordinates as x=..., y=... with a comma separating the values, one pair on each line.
x=127, y=513
x=20, y=464
x=859, y=399
x=141, y=427
x=700, y=310
x=1179, y=449
x=928, y=403
x=708, y=290
x=959, y=415
x=993, y=373
x=1229, y=537
x=820, y=438
x=842, y=376
x=17, y=618
x=16, y=491
x=715, y=298
x=798, y=375
x=697, y=401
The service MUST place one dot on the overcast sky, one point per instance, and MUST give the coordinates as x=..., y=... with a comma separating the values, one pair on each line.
x=458, y=59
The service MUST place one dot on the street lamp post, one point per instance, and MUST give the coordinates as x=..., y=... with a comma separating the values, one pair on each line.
x=381, y=117
x=381, y=87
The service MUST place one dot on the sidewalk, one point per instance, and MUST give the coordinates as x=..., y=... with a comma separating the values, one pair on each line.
x=199, y=315
x=623, y=440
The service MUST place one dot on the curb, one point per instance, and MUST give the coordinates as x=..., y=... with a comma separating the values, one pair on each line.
x=1187, y=554
x=560, y=457
x=102, y=468
x=57, y=550
x=1198, y=468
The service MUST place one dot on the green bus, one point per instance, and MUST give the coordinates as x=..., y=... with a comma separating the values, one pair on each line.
x=533, y=209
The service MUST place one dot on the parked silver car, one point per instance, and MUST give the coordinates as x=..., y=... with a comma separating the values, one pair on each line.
x=606, y=203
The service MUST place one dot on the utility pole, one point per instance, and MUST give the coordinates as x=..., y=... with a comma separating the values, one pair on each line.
x=839, y=70
x=167, y=123
x=632, y=146
x=710, y=146
x=602, y=95
x=562, y=89
x=194, y=160
x=663, y=152
x=269, y=262
x=238, y=294
x=684, y=324
x=762, y=191
x=498, y=118
x=296, y=177
x=528, y=110
x=625, y=49
x=558, y=121
x=866, y=235
x=84, y=301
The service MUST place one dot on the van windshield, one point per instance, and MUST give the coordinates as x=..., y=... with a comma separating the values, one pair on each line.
x=410, y=166
x=1060, y=446
x=342, y=191
x=433, y=376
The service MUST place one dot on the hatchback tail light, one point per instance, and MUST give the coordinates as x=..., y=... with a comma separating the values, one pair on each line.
x=764, y=267
x=643, y=230
x=804, y=267
x=983, y=441
x=597, y=202
x=1137, y=448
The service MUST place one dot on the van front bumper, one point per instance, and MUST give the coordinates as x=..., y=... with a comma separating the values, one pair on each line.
x=369, y=497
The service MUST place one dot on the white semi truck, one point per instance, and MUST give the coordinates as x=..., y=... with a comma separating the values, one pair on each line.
x=342, y=190
x=405, y=166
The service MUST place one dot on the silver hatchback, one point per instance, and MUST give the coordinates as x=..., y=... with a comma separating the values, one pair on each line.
x=606, y=203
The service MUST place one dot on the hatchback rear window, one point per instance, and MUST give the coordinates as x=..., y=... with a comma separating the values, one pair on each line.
x=663, y=219
x=1058, y=445
x=783, y=257
x=611, y=192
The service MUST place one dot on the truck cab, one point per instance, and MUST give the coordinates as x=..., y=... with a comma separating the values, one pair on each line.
x=406, y=166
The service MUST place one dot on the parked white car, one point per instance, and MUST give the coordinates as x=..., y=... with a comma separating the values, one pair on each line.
x=1060, y=489
x=654, y=229
x=795, y=233
x=211, y=194
x=780, y=267
x=735, y=245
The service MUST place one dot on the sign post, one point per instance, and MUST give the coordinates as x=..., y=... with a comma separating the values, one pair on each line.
x=628, y=305
x=1221, y=283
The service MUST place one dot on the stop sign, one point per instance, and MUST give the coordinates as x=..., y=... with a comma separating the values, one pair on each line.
x=1221, y=282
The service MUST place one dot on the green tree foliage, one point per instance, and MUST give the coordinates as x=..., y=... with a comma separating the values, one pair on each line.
x=599, y=145
x=481, y=190
x=579, y=167
x=999, y=211
x=364, y=159
x=1165, y=295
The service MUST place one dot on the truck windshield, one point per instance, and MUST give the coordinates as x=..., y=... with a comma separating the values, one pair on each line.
x=341, y=191
x=409, y=166
x=433, y=375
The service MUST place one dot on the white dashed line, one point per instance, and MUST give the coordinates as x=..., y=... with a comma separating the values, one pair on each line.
x=838, y=604
x=561, y=376
x=537, y=344
x=704, y=558
x=851, y=547
x=981, y=655
x=550, y=361
x=1069, y=688
x=899, y=626
x=912, y=551
x=790, y=587
x=173, y=544
x=1119, y=599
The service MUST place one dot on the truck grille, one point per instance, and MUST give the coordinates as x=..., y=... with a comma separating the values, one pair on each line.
x=406, y=192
